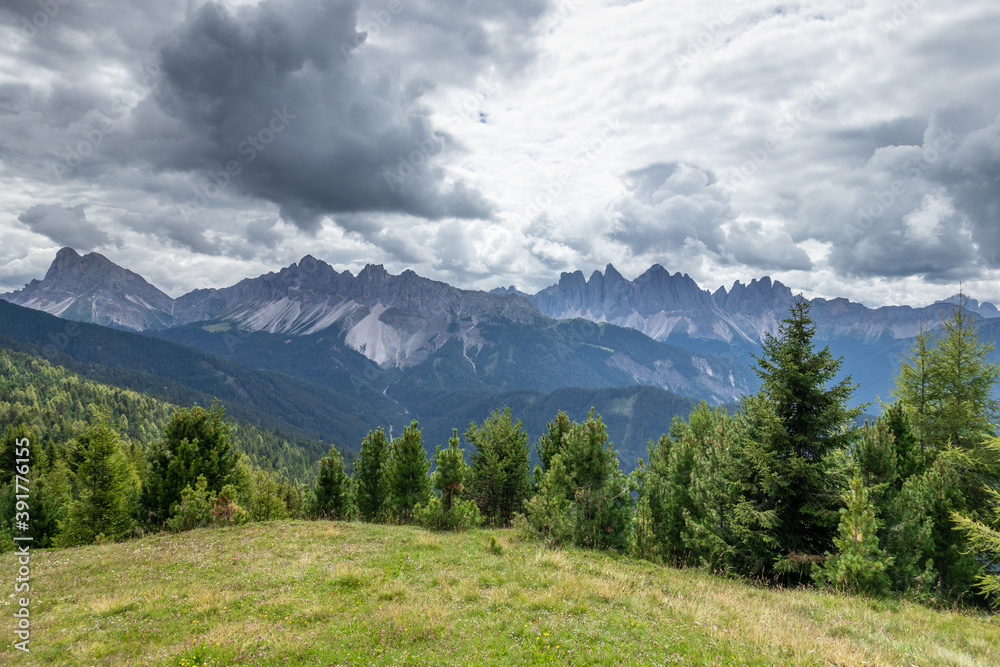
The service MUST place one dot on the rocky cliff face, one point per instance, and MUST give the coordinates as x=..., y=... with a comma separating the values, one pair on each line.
x=671, y=307
x=392, y=320
x=91, y=288
x=657, y=303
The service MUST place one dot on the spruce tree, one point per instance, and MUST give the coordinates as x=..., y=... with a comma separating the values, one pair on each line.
x=370, y=466
x=406, y=474
x=790, y=464
x=196, y=443
x=105, y=489
x=500, y=475
x=333, y=490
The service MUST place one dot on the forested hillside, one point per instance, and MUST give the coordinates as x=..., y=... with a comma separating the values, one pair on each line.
x=57, y=406
x=788, y=489
x=184, y=375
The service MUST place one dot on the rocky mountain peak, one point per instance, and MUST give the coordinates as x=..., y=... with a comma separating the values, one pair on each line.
x=92, y=288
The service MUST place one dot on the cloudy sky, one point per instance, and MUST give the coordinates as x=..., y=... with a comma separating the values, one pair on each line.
x=847, y=148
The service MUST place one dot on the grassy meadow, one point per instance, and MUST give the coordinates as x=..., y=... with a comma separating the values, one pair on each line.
x=327, y=593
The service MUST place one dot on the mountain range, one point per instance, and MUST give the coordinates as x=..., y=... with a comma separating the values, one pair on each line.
x=673, y=308
x=396, y=334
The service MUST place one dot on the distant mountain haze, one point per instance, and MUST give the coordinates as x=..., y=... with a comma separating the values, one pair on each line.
x=436, y=335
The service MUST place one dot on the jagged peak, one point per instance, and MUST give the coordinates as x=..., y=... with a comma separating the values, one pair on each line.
x=373, y=272
x=610, y=271
x=566, y=278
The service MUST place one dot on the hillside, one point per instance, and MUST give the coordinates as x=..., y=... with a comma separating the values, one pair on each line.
x=321, y=593
x=184, y=375
x=57, y=405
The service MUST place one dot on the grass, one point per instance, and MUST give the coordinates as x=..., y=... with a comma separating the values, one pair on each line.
x=322, y=593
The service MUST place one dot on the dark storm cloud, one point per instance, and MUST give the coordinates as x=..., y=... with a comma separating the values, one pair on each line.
x=65, y=226
x=276, y=102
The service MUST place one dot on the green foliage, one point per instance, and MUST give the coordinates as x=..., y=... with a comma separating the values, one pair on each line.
x=196, y=442
x=790, y=465
x=888, y=462
x=671, y=466
x=584, y=495
x=105, y=490
x=261, y=493
x=406, y=474
x=333, y=497
x=500, y=475
x=225, y=510
x=550, y=443
x=859, y=564
x=946, y=384
x=963, y=406
x=372, y=486
x=195, y=509
x=448, y=510
x=985, y=541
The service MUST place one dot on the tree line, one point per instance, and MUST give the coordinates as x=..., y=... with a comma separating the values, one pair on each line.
x=787, y=489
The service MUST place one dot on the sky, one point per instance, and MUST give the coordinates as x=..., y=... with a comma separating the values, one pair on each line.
x=848, y=149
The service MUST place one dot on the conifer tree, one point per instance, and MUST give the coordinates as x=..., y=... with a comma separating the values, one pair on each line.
x=859, y=564
x=105, y=489
x=584, y=491
x=789, y=456
x=913, y=385
x=551, y=442
x=946, y=383
x=985, y=540
x=671, y=465
x=500, y=475
x=447, y=509
x=449, y=477
x=372, y=488
x=333, y=489
x=406, y=473
x=196, y=442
